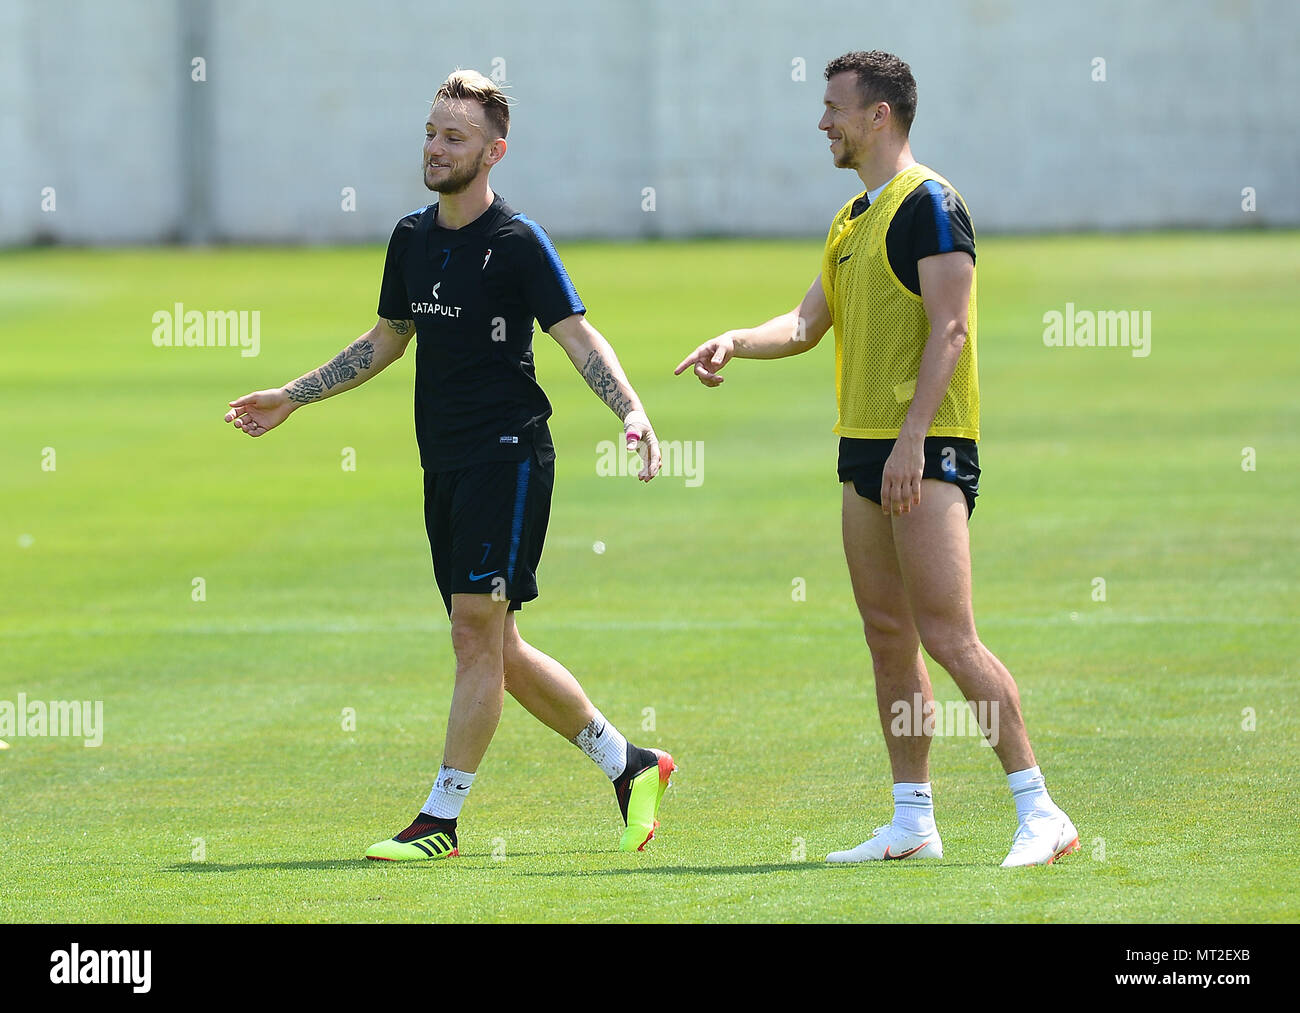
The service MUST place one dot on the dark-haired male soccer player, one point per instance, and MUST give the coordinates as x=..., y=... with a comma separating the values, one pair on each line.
x=470, y=274
x=898, y=284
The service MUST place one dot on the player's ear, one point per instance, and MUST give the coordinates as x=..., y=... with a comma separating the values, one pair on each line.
x=496, y=151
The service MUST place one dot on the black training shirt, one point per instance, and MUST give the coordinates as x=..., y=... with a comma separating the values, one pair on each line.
x=474, y=293
x=924, y=225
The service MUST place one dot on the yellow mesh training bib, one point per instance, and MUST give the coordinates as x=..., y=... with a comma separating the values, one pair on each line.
x=881, y=326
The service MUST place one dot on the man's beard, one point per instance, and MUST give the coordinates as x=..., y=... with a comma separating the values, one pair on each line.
x=455, y=181
x=848, y=157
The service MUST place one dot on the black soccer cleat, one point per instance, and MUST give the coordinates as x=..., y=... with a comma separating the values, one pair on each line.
x=427, y=837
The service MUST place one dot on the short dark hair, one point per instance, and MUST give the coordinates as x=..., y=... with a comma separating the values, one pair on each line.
x=882, y=77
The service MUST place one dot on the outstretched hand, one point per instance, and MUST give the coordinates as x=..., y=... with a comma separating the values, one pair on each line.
x=260, y=412
x=708, y=359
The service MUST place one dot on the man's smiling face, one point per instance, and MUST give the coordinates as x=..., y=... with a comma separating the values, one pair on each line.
x=455, y=145
x=846, y=120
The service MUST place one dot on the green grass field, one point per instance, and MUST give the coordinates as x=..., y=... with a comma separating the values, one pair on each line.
x=224, y=720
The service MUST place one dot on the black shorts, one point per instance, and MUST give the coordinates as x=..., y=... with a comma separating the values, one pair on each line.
x=948, y=458
x=486, y=526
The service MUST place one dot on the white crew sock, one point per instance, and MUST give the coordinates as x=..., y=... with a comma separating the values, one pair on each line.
x=914, y=807
x=602, y=742
x=1029, y=791
x=448, y=793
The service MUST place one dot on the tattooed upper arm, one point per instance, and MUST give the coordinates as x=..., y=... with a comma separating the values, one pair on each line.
x=401, y=327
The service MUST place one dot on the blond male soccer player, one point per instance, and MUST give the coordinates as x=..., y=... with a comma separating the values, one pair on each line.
x=469, y=275
x=898, y=284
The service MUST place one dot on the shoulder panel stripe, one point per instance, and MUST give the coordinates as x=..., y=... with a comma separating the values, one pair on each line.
x=553, y=259
x=941, y=224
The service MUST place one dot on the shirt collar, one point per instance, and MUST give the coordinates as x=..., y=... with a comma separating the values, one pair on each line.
x=873, y=194
x=869, y=198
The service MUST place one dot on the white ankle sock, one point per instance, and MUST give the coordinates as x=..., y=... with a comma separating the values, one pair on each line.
x=448, y=793
x=914, y=807
x=601, y=741
x=1029, y=791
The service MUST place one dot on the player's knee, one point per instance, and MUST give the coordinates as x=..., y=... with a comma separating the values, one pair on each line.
x=474, y=631
x=469, y=643
x=889, y=637
x=948, y=643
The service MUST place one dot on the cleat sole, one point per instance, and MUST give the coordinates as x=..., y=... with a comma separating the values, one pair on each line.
x=1069, y=849
x=454, y=853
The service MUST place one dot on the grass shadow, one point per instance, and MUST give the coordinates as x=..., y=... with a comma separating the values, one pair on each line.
x=744, y=870
x=358, y=862
x=477, y=861
x=324, y=863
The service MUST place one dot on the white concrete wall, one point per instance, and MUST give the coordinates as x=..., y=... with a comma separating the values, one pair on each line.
x=89, y=97
x=695, y=99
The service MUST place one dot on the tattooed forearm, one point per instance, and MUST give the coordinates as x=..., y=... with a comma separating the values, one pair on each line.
x=605, y=384
x=401, y=327
x=358, y=355
x=343, y=367
x=305, y=389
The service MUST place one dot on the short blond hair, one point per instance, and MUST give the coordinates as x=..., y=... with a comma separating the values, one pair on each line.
x=470, y=84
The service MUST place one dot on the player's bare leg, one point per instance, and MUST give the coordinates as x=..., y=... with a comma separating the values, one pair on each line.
x=900, y=676
x=549, y=692
x=477, y=637
x=891, y=635
x=933, y=543
x=544, y=687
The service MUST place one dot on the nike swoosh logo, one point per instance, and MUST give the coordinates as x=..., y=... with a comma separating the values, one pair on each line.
x=904, y=854
x=843, y=259
x=481, y=576
x=462, y=787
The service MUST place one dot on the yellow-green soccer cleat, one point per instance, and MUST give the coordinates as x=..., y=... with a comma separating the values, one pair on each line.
x=640, y=789
x=423, y=840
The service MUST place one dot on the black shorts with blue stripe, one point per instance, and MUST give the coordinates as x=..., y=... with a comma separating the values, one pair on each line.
x=487, y=524
x=947, y=458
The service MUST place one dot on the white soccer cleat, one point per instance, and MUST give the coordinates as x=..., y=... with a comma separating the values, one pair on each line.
x=890, y=842
x=1041, y=840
